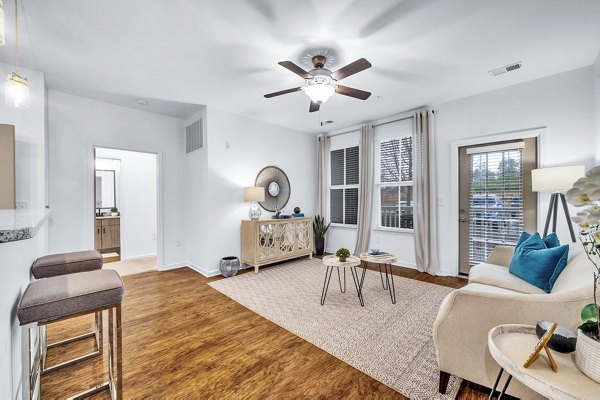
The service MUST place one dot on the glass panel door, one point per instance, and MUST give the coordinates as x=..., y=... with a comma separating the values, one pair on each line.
x=266, y=241
x=287, y=238
x=496, y=201
x=303, y=232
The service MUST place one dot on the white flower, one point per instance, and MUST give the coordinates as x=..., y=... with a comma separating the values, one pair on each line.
x=593, y=172
x=577, y=197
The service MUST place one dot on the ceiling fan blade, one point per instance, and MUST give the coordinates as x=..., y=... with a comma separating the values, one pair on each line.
x=351, y=69
x=295, y=69
x=297, y=89
x=314, y=106
x=348, y=91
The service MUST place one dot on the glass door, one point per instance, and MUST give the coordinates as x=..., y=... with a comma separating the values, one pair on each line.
x=496, y=202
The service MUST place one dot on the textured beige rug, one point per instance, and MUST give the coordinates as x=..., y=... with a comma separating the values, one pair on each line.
x=133, y=266
x=389, y=342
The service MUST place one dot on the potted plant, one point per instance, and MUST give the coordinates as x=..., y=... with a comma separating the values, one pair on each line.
x=114, y=211
x=319, y=230
x=586, y=193
x=342, y=254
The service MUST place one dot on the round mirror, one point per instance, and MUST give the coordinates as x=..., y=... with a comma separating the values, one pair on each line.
x=273, y=189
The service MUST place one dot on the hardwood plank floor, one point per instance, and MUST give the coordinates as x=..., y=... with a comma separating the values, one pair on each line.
x=183, y=339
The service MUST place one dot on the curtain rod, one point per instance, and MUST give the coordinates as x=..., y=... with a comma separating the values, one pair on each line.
x=383, y=123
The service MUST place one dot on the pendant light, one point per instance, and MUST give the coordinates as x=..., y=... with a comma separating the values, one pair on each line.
x=16, y=89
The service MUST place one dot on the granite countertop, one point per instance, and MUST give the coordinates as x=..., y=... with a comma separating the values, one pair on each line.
x=21, y=224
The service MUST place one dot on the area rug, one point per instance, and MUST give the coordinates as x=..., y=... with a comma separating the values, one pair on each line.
x=390, y=342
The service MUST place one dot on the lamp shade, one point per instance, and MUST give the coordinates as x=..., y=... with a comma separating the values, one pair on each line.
x=555, y=179
x=254, y=194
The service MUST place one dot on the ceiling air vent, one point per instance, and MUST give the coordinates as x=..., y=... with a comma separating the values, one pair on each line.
x=194, y=137
x=505, y=69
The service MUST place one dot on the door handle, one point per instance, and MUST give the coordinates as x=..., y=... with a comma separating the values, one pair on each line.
x=103, y=230
x=463, y=220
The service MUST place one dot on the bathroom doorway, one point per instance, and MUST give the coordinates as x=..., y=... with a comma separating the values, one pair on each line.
x=126, y=209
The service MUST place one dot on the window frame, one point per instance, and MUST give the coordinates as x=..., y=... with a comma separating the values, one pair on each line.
x=342, y=187
x=378, y=185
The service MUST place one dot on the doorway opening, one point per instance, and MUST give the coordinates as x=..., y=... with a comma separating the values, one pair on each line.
x=496, y=202
x=126, y=209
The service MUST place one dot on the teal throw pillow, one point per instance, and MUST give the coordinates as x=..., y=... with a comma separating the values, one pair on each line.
x=537, y=264
x=550, y=241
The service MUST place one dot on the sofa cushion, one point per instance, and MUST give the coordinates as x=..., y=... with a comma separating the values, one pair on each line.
x=550, y=240
x=537, y=264
x=59, y=296
x=66, y=263
x=499, y=276
x=577, y=276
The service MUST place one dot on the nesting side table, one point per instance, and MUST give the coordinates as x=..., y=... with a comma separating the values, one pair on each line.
x=386, y=262
x=351, y=262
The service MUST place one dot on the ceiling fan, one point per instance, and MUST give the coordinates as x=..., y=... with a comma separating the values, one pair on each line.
x=321, y=83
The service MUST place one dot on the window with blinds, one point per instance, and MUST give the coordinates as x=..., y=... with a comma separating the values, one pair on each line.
x=343, y=191
x=495, y=199
x=395, y=183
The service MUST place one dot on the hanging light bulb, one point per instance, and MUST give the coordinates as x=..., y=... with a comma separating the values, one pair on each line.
x=16, y=89
x=1, y=22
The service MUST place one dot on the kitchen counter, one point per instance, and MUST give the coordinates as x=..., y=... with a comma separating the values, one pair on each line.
x=21, y=224
x=108, y=217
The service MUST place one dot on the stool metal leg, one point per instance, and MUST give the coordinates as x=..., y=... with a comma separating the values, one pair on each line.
x=358, y=285
x=326, y=284
x=340, y=280
x=491, y=396
x=364, y=266
x=503, y=392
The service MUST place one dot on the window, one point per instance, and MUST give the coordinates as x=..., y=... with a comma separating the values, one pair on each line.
x=343, y=190
x=395, y=183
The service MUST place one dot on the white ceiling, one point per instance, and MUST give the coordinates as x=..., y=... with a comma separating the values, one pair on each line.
x=225, y=53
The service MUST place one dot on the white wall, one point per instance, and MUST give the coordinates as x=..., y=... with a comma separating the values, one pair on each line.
x=16, y=257
x=563, y=104
x=76, y=125
x=137, y=201
x=237, y=149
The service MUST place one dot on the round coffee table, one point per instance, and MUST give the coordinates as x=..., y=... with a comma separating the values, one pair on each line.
x=386, y=261
x=351, y=262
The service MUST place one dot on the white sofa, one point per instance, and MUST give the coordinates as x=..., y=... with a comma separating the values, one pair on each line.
x=493, y=297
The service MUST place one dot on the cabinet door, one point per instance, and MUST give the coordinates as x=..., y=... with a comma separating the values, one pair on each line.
x=286, y=238
x=111, y=236
x=303, y=235
x=98, y=237
x=266, y=242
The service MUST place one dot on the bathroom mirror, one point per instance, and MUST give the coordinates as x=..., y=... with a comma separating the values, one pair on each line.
x=273, y=188
x=277, y=188
x=106, y=194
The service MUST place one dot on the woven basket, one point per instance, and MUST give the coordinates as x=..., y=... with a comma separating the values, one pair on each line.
x=587, y=356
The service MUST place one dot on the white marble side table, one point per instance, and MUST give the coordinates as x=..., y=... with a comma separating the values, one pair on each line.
x=511, y=345
x=351, y=262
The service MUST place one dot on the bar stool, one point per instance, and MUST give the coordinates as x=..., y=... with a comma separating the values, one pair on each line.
x=64, y=297
x=62, y=264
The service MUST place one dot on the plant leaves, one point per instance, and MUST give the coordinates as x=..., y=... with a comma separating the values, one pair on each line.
x=589, y=327
x=589, y=313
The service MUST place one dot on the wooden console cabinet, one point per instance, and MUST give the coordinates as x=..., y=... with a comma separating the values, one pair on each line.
x=269, y=241
x=108, y=233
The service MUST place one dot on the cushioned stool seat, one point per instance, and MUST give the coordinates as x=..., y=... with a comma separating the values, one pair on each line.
x=66, y=263
x=64, y=295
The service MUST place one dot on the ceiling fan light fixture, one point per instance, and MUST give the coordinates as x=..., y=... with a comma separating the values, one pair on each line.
x=16, y=91
x=320, y=88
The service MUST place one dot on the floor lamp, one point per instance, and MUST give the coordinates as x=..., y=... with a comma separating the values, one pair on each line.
x=556, y=180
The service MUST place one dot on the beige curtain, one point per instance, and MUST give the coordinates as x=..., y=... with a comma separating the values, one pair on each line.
x=322, y=153
x=425, y=215
x=365, y=193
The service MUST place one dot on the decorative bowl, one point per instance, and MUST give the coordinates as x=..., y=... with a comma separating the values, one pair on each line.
x=564, y=340
x=374, y=251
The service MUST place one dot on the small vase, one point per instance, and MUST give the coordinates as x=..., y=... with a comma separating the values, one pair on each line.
x=319, y=246
x=587, y=356
x=229, y=266
x=342, y=259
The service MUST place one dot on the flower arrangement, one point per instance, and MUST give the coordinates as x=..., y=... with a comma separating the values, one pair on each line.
x=586, y=193
x=342, y=254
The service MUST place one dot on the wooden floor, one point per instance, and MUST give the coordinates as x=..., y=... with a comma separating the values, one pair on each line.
x=183, y=339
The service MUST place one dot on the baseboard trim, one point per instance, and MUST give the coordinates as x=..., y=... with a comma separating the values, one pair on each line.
x=201, y=271
x=140, y=256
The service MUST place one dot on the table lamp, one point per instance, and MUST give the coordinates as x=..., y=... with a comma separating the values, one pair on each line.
x=556, y=180
x=254, y=194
